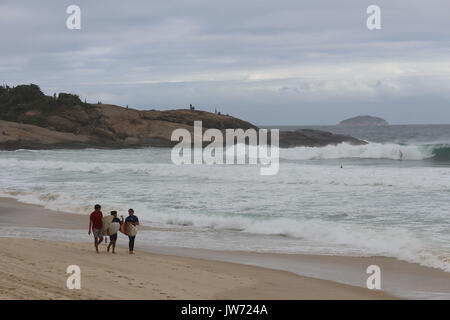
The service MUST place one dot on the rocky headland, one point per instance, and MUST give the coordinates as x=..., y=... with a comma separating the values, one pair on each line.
x=29, y=119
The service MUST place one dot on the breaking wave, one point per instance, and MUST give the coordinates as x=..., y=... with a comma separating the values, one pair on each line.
x=392, y=151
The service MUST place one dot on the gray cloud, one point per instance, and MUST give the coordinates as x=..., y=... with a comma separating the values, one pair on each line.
x=281, y=62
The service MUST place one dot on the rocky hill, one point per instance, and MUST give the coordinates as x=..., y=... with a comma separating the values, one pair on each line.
x=30, y=119
x=314, y=138
x=364, y=121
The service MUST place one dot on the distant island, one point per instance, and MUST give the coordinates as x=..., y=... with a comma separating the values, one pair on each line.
x=364, y=120
x=29, y=119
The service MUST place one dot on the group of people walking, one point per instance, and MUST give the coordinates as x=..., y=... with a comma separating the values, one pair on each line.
x=96, y=228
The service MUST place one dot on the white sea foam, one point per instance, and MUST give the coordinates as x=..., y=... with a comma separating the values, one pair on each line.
x=369, y=151
x=391, y=242
x=349, y=238
x=340, y=151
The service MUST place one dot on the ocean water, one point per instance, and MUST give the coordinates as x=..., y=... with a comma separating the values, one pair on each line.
x=390, y=198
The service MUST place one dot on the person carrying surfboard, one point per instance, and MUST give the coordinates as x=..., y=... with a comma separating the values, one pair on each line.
x=131, y=222
x=112, y=230
x=96, y=224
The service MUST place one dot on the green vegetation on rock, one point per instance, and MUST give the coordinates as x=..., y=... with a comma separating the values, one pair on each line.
x=28, y=104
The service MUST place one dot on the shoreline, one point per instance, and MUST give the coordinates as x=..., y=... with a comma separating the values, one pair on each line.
x=345, y=272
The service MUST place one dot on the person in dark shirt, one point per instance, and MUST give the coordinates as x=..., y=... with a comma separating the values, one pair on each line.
x=131, y=219
x=96, y=224
x=113, y=237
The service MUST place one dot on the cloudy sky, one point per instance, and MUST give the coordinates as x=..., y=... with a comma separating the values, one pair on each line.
x=269, y=62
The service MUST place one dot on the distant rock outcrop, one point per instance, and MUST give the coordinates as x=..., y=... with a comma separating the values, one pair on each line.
x=31, y=120
x=364, y=121
x=314, y=138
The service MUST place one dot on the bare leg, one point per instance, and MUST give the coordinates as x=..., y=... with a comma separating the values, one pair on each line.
x=96, y=244
x=113, y=246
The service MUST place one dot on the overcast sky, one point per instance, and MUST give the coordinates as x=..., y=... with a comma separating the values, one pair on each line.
x=269, y=62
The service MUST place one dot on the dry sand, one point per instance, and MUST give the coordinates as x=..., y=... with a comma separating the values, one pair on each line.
x=36, y=269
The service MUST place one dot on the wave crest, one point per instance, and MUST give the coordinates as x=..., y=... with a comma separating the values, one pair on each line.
x=371, y=150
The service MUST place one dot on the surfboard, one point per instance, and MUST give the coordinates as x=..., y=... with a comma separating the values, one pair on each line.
x=113, y=228
x=132, y=230
x=106, y=223
x=129, y=230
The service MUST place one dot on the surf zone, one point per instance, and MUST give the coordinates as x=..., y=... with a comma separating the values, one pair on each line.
x=241, y=147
